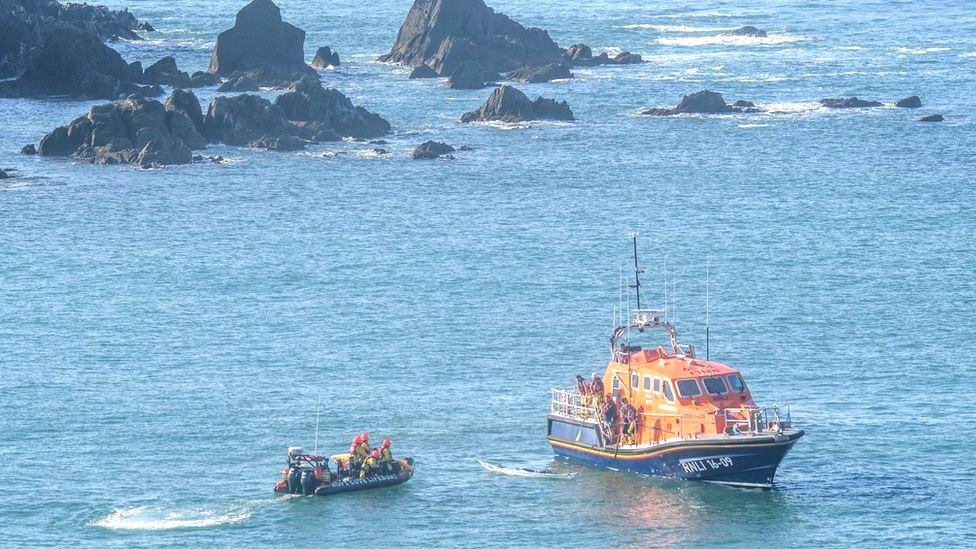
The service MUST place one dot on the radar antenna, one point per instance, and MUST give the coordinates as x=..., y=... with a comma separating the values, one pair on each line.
x=637, y=270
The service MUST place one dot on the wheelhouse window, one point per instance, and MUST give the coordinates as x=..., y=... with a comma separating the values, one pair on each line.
x=647, y=383
x=615, y=385
x=688, y=388
x=715, y=385
x=735, y=381
x=666, y=387
x=657, y=385
x=634, y=381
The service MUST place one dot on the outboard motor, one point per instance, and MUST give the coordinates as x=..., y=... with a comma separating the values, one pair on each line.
x=308, y=482
x=295, y=481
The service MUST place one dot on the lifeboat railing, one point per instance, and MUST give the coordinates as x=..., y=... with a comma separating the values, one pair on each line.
x=757, y=420
x=569, y=403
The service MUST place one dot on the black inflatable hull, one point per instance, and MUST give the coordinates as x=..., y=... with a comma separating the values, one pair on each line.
x=359, y=484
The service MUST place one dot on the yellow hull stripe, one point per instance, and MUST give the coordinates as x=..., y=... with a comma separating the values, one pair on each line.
x=645, y=455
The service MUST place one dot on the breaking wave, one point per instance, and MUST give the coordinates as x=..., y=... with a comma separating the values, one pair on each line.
x=155, y=518
x=730, y=40
x=920, y=51
x=675, y=28
x=968, y=54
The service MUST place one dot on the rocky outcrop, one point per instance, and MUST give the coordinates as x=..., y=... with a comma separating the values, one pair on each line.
x=545, y=73
x=325, y=114
x=24, y=26
x=507, y=104
x=471, y=75
x=201, y=79
x=71, y=62
x=185, y=102
x=910, y=102
x=3, y=174
x=848, y=103
x=443, y=34
x=423, y=71
x=703, y=102
x=261, y=45
x=431, y=150
x=130, y=131
x=242, y=119
x=29, y=149
x=265, y=77
x=932, y=118
x=325, y=58
x=747, y=30
x=581, y=55
x=165, y=72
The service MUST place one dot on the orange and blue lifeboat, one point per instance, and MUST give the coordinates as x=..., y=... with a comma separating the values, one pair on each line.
x=692, y=418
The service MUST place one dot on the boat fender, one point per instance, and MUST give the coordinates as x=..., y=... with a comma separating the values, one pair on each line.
x=295, y=481
x=308, y=482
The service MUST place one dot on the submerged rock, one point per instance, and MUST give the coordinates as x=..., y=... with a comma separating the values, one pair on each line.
x=265, y=77
x=165, y=72
x=131, y=131
x=73, y=63
x=507, y=104
x=470, y=75
x=28, y=149
x=704, y=102
x=423, y=71
x=545, y=73
x=910, y=102
x=259, y=40
x=445, y=33
x=325, y=58
x=431, y=149
x=848, y=103
x=932, y=118
x=747, y=30
x=3, y=174
x=278, y=143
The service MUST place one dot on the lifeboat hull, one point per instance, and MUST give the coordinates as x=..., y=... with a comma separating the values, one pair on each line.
x=746, y=461
x=355, y=484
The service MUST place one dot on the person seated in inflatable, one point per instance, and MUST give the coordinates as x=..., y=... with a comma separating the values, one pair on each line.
x=387, y=463
x=362, y=447
x=371, y=465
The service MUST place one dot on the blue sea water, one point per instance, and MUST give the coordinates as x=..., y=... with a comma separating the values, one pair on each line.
x=166, y=334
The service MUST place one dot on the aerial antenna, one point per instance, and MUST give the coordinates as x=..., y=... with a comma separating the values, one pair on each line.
x=665, y=290
x=637, y=271
x=317, y=406
x=706, y=308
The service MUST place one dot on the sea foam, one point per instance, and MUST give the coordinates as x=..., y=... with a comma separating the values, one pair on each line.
x=730, y=40
x=155, y=518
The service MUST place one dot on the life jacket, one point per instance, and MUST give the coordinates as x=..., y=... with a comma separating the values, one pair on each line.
x=583, y=387
x=362, y=451
x=368, y=466
x=597, y=385
x=386, y=454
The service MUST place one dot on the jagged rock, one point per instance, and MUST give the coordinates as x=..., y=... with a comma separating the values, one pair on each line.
x=278, y=143
x=28, y=149
x=135, y=71
x=507, y=104
x=242, y=119
x=581, y=55
x=25, y=26
x=245, y=82
x=324, y=58
x=260, y=40
x=187, y=102
x=550, y=109
x=3, y=174
x=545, y=73
x=423, y=71
x=165, y=72
x=704, y=102
x=145, y=26
x=431, y=149
x=202, y=79
x=470, y=75
x=379, y=142
x=321, y=113
x=130, y=131
x=932, y=118
x=445, y=33
x=73, y=63
x=848, y=103
x=910, y=102
x=747, y=30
